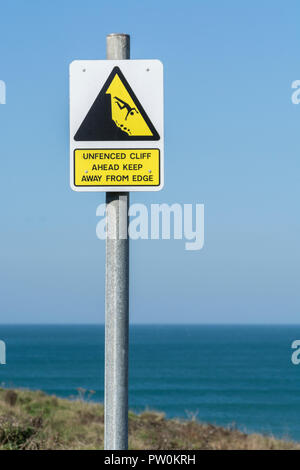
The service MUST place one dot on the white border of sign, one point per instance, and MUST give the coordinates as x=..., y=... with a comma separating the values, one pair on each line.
x=87, y=78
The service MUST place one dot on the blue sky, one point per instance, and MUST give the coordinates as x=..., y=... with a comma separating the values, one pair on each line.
x=231, y=142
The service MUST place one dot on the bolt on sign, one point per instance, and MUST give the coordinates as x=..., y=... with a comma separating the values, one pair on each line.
x=116, y=125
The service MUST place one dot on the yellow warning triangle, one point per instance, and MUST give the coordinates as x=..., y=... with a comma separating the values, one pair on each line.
x=116, y=114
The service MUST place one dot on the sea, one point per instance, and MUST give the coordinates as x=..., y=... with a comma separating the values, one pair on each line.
x=235, y=376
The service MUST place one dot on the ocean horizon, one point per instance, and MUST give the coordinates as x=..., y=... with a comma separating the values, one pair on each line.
x=231, y=375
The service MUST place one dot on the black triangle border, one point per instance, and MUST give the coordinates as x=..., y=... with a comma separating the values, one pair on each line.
x=117, y=70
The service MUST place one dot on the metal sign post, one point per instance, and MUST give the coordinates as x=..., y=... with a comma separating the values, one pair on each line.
x=116, y=146
x=117, y=298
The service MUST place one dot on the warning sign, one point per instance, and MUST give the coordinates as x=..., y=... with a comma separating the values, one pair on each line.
x=116, y=127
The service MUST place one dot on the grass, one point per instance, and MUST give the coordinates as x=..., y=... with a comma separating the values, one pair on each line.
x=36, y=421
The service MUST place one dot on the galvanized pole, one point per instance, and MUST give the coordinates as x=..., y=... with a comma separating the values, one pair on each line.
x=116, y=297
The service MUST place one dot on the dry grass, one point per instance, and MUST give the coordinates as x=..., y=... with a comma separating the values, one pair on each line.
x=34, y=420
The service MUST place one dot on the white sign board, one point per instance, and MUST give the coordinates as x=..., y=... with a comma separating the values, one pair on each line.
x=116, y=125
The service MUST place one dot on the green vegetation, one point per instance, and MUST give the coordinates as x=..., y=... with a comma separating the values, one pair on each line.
x=34, y=420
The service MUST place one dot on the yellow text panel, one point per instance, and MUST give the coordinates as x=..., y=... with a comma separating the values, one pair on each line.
x=117, y=167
